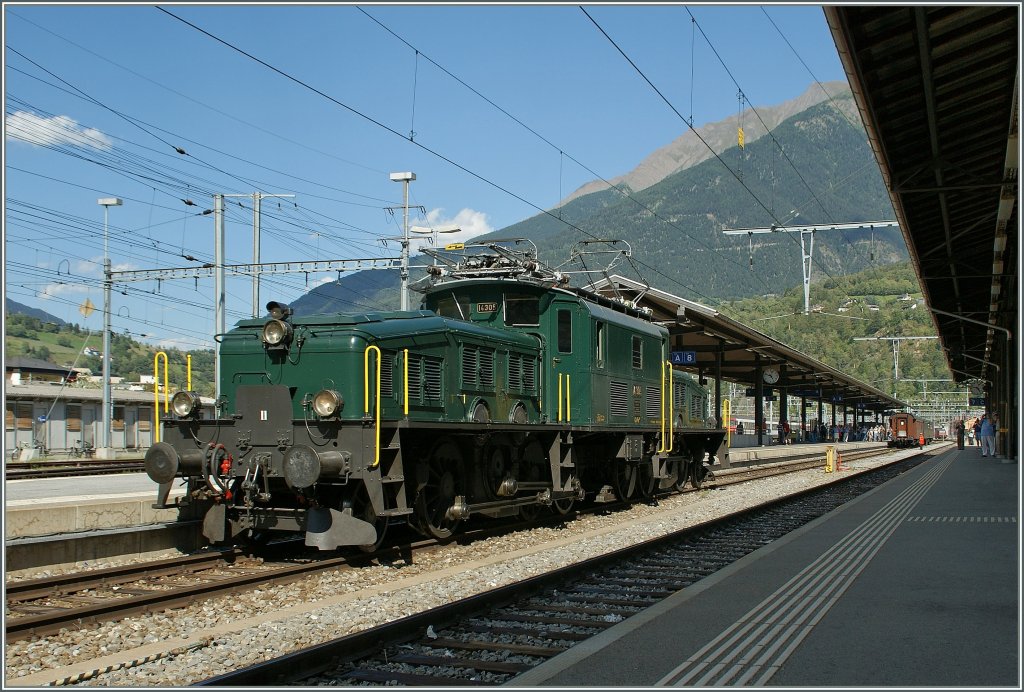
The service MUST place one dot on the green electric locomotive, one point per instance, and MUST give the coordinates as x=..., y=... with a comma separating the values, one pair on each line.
x=509, y=392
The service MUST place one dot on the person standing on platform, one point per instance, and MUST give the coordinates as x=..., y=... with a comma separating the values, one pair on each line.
x=987, y=434
x=783, y=430
x=959, y=434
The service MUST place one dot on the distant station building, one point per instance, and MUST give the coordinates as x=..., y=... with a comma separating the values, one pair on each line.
x=46, y=404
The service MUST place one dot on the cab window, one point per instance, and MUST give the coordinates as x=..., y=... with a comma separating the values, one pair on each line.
x=564, y=331
x=450, y=306
x=638, y=352
x=522, y=311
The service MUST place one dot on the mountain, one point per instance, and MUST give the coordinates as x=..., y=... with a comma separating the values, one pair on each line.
x=12, y=307
x=688, y=149
x=817, y=167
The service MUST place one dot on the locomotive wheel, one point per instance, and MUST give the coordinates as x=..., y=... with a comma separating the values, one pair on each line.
x=529, y=512
x=563, y=506
x=626, y=480
x=438, y=494
x=362, y=508
x=645, y=479
x=532, y=460
x=697, y=470
x=678, y=470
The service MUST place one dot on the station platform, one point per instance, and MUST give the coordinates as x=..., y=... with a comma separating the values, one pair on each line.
x=68, y=522
x=43, y=507
x=915, y=584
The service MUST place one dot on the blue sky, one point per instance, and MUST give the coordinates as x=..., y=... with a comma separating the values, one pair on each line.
x=97, y=98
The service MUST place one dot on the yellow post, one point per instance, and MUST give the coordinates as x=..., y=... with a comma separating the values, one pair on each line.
x=830, y=459
x=727, y=417
x=156, y=390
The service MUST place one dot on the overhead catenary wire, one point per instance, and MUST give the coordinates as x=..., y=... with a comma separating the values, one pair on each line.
x=390, y=129
x=563, y=154
x=717, y=156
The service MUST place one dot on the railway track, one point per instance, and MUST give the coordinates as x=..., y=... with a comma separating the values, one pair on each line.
x=37, y=607
x=491, y=638
x=63, y=468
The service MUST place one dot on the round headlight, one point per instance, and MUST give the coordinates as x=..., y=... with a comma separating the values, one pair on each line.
x=327, y=402
x=276, y=332
x=185, y=404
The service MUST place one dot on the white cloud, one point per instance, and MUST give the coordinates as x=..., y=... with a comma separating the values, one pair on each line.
x=58, y=289
x=473, y=223
x=60, y=129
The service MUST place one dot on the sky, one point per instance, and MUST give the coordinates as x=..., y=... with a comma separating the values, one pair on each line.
x=499, y=110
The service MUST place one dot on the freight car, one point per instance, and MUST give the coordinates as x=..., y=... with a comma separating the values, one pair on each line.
x=907, y=430
x=507, y=392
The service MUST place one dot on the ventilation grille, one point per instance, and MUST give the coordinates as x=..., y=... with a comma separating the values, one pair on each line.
x=477, y=368
x=529, y=375
x=470, y=366
x=654, y=402
x=387, y=374
x=619, y=400
x=486, y=369
x=432, y=379
x=522, y=373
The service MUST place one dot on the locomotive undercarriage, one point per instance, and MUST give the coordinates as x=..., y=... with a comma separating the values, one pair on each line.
x=320, y=478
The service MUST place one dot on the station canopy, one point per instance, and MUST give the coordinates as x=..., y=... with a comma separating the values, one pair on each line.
x=700, y=334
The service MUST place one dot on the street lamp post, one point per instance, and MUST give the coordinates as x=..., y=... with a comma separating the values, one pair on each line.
x=104, y=451
x=405, y=177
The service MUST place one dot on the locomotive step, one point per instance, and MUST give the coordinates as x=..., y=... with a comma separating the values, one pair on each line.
x=396, y=512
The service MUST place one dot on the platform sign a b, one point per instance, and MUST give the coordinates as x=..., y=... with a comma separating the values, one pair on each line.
x=684, y=357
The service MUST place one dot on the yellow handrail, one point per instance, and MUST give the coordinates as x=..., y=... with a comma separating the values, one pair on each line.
x=156, y=390
x=661, y=422
x=188, y=362
x=671, y=408
x=405, y=364
x=366, y=399
x=559, y=397
x=568, y=400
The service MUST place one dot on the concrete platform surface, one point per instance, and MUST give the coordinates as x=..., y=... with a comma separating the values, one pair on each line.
x=916, y=583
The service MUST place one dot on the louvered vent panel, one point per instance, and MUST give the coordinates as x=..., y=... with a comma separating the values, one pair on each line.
x=486, y=369
x=470, y=365
x=415, y=377
x=529, y=375
x=515, y=372
x=387, y=368
x=619, y=392
x=653, y=402
x=432, y=380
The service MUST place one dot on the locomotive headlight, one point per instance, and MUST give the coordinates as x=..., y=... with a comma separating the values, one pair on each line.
x=276, y=333
x=327, y=403
x=185, y=404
